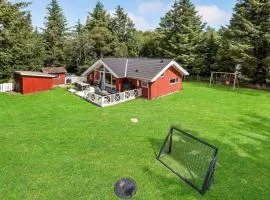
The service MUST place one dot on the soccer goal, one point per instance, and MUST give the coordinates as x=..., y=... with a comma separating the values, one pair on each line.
x=190, y=158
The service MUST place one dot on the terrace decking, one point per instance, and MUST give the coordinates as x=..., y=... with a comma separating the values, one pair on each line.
x=107, y=100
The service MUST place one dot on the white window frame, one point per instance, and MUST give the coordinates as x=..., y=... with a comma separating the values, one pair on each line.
x=143, y=84
x=176, y=80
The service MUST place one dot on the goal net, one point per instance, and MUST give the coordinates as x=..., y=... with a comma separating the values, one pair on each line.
x=190, y=158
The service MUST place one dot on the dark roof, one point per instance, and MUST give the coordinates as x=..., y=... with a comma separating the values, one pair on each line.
x=137, y=68
x=54, y=70
x=29, y=73
x=117, y=65
x=145, y=68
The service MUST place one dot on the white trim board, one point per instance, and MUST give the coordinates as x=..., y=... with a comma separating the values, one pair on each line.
x=97, y=65
x=171, y=64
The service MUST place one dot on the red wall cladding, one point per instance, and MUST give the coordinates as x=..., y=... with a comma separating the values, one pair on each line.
x=60, y=80
x=29, y=84
x=162, y=85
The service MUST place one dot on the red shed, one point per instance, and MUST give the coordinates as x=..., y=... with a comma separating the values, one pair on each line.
x=30, y=82
x=59, y=74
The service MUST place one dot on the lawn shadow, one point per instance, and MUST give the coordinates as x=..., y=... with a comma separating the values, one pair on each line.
x=254, y=131
x=174, y=186
x=240, y=160
x=243, y=91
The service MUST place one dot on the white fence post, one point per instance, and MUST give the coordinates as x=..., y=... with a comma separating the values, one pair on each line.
x=6, y=87
x=112, y=99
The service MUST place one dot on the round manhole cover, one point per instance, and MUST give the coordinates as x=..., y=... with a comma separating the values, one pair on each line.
x=125, y=188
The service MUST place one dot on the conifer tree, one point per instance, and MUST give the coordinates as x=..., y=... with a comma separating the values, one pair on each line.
x=54, y=35
x=124, y=28
x=151, y=46
x=181, y=29
x=248, y=38
x=207, y=51
x=98, y=18
x=97, y=30
x=20, y=47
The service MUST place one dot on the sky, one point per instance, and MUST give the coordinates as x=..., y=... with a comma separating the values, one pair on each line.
x=145, y=14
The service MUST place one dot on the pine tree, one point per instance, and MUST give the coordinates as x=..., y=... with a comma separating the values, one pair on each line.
x=54, y=35
x=151, y=46
x=207, y=52
x=79, y=49
x=20, y=47
x=124, y=28
x=98, y=18
x=248, y=38
x=105, y=43
x=79, y=27
x=181, y=29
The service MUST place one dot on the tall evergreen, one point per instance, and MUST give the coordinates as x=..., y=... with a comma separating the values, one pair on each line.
x=207, y=52
x=181, y=29
x=98, y=18
x=20, y=47
x=151, y=46
x=124, y=28
x=248, y=38
x=79, y=27
x=54, y=35
x=105, y=43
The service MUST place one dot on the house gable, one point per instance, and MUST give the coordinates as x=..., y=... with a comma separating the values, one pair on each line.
x=162, y=86
x=174, y=65
x=97, y=65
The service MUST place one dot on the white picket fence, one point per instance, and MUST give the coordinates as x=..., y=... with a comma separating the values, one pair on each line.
x=6, y=87
x=112, y=99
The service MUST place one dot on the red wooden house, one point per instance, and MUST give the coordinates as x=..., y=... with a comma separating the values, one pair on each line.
x=59, y=74
x=156, y=77
x=29, y=82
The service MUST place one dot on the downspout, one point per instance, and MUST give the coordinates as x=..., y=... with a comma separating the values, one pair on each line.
x=148, y=90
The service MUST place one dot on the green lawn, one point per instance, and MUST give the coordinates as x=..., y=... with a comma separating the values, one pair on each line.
x=54, y=145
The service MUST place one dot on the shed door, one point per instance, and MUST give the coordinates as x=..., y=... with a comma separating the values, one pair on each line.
x=18, y=85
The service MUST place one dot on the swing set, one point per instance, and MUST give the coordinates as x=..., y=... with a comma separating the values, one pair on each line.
x=226, y=78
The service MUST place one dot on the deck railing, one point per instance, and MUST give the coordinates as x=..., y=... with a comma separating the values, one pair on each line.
x=112, y=99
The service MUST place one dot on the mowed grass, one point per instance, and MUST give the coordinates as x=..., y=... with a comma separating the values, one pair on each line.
x=54, y=145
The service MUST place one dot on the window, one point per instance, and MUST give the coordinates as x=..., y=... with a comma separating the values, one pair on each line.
x=108, y=78
x=145, y=84
x=174, y=80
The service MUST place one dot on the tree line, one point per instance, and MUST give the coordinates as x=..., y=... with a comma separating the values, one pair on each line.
x=181, y=35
